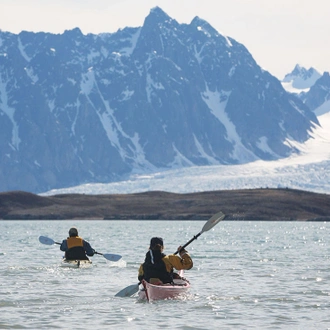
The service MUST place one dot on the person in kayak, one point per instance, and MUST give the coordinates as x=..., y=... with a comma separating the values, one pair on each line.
x=159, y=268
x=75, y=247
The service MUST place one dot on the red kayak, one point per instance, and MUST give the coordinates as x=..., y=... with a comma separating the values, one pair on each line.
x=164, y=291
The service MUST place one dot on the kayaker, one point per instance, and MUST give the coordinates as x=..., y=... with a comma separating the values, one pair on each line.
x=75, y=247
x=159, y=268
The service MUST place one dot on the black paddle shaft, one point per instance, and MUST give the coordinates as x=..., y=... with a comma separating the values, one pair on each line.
x=195, y=237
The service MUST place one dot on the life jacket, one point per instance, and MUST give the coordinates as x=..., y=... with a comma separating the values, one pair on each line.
x=76, y=250
x=154, y=267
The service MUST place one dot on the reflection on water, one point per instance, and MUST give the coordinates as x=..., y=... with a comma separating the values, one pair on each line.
x=262, y=275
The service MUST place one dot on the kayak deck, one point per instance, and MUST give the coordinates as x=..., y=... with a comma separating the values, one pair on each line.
x=76, y=263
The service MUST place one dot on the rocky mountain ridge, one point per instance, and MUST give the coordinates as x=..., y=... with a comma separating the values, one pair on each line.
x=80, y=108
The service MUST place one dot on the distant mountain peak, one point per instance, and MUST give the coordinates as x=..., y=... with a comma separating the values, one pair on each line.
x=298, y=69
x=158, y=14
x=303, y=72
x=300, y=79
x=318, y=97
x=158, y=11
x=198, y=21
x=201, y=24
x=157, y=17
x=74, y=32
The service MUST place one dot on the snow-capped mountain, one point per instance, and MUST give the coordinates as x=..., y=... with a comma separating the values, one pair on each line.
x=318, y=97
x=300, y=79
x=80, y=108
x=311, y=87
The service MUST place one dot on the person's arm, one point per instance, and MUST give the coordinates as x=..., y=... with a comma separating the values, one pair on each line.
x=89, y=250
x=141, y=273
x=182, y=262
x=64, y=246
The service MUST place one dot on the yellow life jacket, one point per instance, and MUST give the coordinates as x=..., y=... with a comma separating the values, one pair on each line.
x=74, y=241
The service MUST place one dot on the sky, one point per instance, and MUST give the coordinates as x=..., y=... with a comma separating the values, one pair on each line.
x=278, y=33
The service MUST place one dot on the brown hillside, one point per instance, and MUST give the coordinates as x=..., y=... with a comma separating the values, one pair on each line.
x=250, y=204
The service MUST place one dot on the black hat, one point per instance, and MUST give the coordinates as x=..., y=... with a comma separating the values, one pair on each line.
x=155, y=241
x=73, y=232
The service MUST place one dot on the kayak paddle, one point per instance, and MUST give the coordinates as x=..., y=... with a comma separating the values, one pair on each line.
x=108, y=256
x=215, y=219
x=209, y=224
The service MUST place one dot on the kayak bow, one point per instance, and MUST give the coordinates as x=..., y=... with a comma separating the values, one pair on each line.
x=152, y=292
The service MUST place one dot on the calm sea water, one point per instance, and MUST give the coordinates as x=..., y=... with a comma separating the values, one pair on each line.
x=246, y=275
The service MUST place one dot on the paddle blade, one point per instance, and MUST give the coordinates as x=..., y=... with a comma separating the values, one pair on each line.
x=46, y=240
x=112, y=257
x=215, y=219
x=128, y=291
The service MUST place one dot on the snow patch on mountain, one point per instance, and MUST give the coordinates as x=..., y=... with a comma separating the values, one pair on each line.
x=217, y=101
x=9, y=111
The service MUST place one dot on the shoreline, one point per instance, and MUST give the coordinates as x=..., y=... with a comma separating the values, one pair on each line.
x=264, y=204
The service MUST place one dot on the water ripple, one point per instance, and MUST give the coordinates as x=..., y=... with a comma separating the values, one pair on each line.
x=257, y=275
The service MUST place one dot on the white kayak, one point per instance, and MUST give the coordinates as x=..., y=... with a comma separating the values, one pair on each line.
x=76, y=263
x=164, y=291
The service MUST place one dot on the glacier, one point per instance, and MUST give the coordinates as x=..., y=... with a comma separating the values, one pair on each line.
x=309, y=170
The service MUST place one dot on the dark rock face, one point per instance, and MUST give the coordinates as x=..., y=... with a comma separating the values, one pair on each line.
x=318, y=97
x=80, y=108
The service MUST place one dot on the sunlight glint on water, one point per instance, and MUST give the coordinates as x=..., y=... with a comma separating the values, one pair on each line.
x=261, y=275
